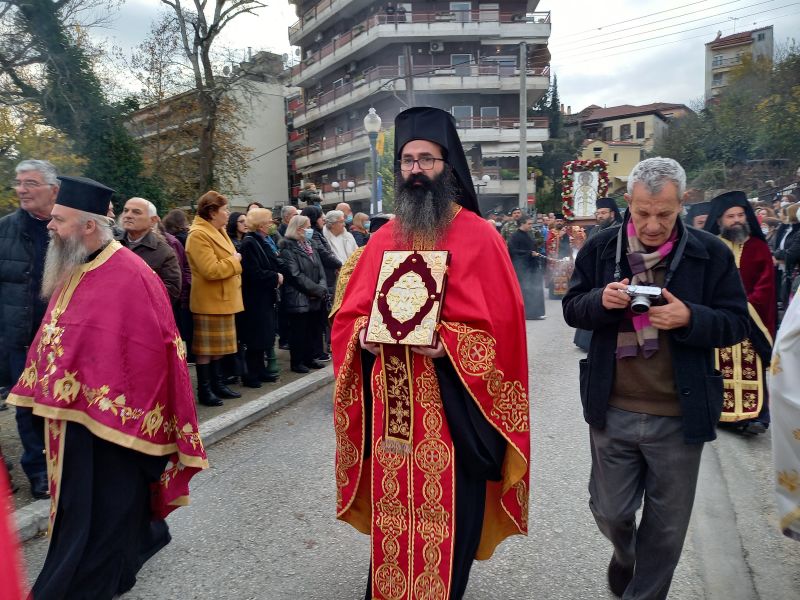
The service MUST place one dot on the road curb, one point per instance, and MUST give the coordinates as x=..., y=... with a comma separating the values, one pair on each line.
x=33, y=519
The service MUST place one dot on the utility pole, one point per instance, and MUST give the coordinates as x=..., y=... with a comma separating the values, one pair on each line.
x=409, y=73
x=523, y=127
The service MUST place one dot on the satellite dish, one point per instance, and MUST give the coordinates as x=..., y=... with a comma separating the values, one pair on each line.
x=226, y=70
x=285, y=57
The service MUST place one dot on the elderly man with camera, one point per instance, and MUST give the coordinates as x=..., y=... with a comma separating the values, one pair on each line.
x=650, y=393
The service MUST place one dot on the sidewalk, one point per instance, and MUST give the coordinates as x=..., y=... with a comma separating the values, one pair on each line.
x=215, y=425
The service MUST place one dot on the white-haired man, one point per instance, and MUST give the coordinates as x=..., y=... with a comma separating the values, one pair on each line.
x=341, y=241
x=23, y=246
x=138, y=219
x=106, y=370
x=287, y=212
x=650, y=393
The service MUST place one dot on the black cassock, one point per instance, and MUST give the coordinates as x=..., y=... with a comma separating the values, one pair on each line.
x=529, y=272
x=103, y=531
x=480, y=450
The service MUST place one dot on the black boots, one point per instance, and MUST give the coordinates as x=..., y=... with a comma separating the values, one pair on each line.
x=204, y=394
x=217, y=384
x=250, y=378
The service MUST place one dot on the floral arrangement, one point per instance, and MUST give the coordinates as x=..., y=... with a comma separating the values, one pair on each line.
x=573, y=166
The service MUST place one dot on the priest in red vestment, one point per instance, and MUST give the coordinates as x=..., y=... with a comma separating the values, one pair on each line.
x=107, y=370
x=12, y=578
x=745, y=404
x=433, y=443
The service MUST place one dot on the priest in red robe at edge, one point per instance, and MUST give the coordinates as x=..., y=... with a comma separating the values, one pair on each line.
x=107, y=370
x=745, y=405
x=433, y=440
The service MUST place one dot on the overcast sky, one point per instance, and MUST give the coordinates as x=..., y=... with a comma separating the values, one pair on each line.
x=607, y=53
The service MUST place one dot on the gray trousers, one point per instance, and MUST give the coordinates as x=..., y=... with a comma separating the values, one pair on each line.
x=640, y=454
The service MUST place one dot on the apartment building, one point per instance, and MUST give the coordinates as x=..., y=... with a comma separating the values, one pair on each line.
x=727, y=52
x=643, y=124
x=169, y=132
x=463, y=57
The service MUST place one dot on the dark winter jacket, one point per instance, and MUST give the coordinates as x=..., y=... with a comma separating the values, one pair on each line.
x=304, y=288
x=707, y=281
x=159, y=256
x=260, y=269
x=18, y=294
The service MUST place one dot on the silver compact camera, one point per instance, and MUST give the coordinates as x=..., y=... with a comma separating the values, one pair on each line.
x=642, y=296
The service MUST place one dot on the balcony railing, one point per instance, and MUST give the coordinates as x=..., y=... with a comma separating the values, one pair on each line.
x=471, y=123
x=726, y=62
x=416, y=18
x=401, y=16
x=418, y=71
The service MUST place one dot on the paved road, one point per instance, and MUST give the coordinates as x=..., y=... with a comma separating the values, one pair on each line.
x=261, y=524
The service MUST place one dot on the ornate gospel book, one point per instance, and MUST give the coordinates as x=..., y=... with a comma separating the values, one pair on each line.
x=408, y=297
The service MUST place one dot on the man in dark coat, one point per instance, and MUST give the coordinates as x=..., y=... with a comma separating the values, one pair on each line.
x=138, y=219
x=607, y=215
x=649, y=390
x=23, y=246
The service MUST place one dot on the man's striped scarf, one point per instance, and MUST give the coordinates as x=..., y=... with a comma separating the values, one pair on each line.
x=635, y=331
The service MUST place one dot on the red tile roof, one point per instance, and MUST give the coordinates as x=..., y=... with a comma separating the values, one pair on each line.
x=626, y=110
x=743, y=37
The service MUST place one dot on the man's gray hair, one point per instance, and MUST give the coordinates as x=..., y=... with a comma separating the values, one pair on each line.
x=653, y=173
x=104, y=225
x=333, y=216
x=286, y=210
x=45, y=167
x=152, y=211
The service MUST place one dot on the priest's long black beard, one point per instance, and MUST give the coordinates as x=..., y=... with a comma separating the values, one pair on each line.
x=63, y=257
x=737, y=233
x=425, y=209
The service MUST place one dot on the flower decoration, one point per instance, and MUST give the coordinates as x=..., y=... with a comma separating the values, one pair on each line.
x=597, y=164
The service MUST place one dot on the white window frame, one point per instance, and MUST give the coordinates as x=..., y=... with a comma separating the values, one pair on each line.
x=462, y=11
x=454, y=65
x=496, y=117
x=453, y=111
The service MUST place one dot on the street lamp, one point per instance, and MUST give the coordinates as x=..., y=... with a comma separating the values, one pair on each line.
x=484, y=181
x=349, y=187
x=372, y=125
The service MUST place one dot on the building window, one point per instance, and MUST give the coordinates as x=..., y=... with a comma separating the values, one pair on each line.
x=490, y=116
x=462, y=114
x=717, y=62
x=761, y=36
x=716, y=79
x=341, y=174
x=608, y=132
x=462, y=11
x=625, y=132
x=489, y=12
x=461, y=64
x=616, y=157
x=640, y=130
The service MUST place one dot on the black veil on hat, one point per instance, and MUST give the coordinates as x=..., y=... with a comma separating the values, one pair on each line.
x=84, y=194
x=610, y=204
x=437, y=126
x=729, y=200
x=696, y=210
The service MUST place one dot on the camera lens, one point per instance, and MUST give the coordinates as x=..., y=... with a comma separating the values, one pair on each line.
x=640, y=304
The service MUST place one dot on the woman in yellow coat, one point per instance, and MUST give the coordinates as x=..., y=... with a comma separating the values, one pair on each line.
x=216, y=295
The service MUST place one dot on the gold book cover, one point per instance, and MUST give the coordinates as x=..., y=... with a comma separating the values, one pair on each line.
x=408, y=297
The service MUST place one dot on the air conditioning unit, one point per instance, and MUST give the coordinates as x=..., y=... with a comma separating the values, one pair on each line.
x=352, y=67
x=437, y=46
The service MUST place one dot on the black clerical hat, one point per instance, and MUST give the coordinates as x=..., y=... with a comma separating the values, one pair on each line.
x=729, y=200
x=611, y=205
x=437, y=126
x=84, y=194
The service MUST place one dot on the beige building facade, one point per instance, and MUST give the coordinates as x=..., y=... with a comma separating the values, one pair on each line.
x=621, y=158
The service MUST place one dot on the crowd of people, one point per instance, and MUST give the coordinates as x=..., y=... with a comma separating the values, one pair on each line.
x=432, y=429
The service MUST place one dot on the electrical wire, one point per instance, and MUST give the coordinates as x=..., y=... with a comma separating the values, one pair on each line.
x=628, y=33
x=595, y=49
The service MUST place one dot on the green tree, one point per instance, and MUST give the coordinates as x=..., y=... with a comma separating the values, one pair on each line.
x=70, y=98
x=386, y=170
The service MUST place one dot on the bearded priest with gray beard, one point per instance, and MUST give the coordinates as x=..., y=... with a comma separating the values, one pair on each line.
x=745, y=404
x=107, y=371
x=433, y=441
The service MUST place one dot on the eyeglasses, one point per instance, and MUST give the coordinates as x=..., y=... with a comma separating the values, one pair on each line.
x=28, y=184
x=425, y=163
